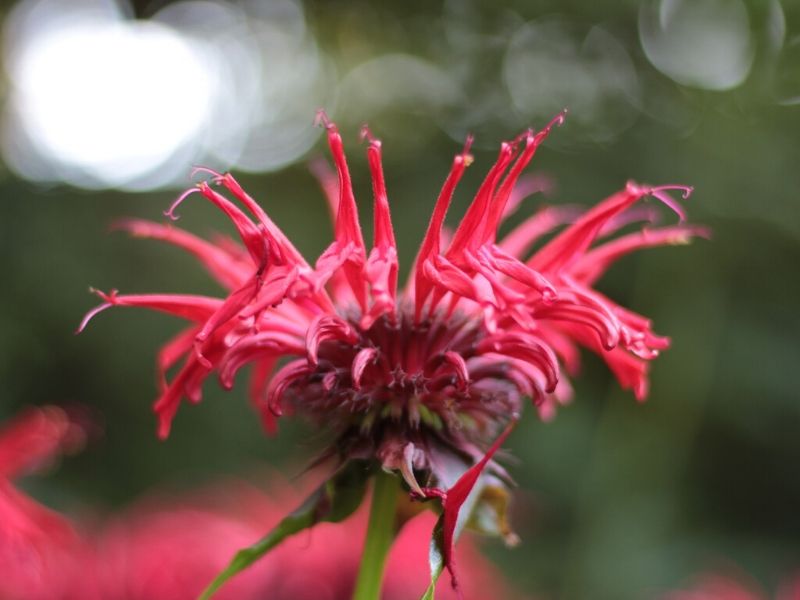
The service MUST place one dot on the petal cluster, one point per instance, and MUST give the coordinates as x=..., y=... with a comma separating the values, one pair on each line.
x=482, y=322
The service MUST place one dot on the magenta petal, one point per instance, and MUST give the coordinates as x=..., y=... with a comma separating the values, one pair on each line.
x=457, y=495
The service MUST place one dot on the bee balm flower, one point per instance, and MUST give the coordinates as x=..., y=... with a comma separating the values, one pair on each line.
x=420, y=378
x=38, y=547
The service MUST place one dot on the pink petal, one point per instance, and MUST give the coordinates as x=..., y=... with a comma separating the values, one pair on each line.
x=431, y=243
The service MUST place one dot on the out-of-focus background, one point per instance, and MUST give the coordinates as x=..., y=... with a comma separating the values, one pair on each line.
x=106, y=106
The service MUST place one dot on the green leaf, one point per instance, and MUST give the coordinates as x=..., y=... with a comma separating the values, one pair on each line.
x=435, y=557
x=333, y=501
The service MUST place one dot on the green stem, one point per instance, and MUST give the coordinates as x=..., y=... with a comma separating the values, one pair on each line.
x=380, y=534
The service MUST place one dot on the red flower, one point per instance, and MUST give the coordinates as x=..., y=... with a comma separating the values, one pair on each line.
x=424, y=377
x=38, y=547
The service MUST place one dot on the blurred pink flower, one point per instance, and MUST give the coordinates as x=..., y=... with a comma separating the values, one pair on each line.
x=721, y=586
x=39, y=549
x=716, y=587
x=168, y=549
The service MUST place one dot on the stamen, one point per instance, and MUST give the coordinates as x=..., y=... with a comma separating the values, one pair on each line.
x=366, y=134
x=109, y=300
x=556, y=121
x=660, y=193
x=216, y=176
x=322, y=119
x=170, y=212
x=465, y=155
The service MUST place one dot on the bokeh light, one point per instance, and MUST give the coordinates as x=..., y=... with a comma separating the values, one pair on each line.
x=552, y=64
x=700, y=43
x=101, y=100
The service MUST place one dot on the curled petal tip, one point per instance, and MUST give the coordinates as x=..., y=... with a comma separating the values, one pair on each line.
x=170, y=212
x=198, y=352
x=215, y=175
x=660, y=193
x=366, y=134
x=90, y=315
x=685, y=190
x=323, y=120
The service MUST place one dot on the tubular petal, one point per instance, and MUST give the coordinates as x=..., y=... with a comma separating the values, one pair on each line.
x=364, y=357
x=431, y=243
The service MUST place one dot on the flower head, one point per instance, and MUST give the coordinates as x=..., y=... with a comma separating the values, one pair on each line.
x=423, y=377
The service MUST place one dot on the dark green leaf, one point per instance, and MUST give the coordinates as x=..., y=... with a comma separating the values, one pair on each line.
x=333, y=501
x=435, y=557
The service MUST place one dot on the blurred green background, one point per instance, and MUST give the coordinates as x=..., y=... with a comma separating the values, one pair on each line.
x=616, y=500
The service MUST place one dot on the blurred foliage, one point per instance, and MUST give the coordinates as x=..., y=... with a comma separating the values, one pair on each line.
x=616, y=500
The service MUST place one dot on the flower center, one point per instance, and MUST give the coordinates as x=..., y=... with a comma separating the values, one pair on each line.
x=407, y=376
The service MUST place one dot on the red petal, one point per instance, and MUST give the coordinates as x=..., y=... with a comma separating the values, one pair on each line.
x=225, y=268
x=521, y=239
x=364, y=357
x=432, y=241
x=262, y=369
x=348, y=229
x=475, y=217
x=252, y=237
x=266, y=344
x=192, y=308
x=172, y=351
x=498, y=206
x=594, y=263
x=327, y=327
x=457, y=495
x=459, y=366
x=230, y=308
x=32, y=438
x=576, y=239
x=282, y=380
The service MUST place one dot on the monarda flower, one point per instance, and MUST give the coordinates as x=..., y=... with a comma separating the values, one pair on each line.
x=39, y=548
x=418, y=380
